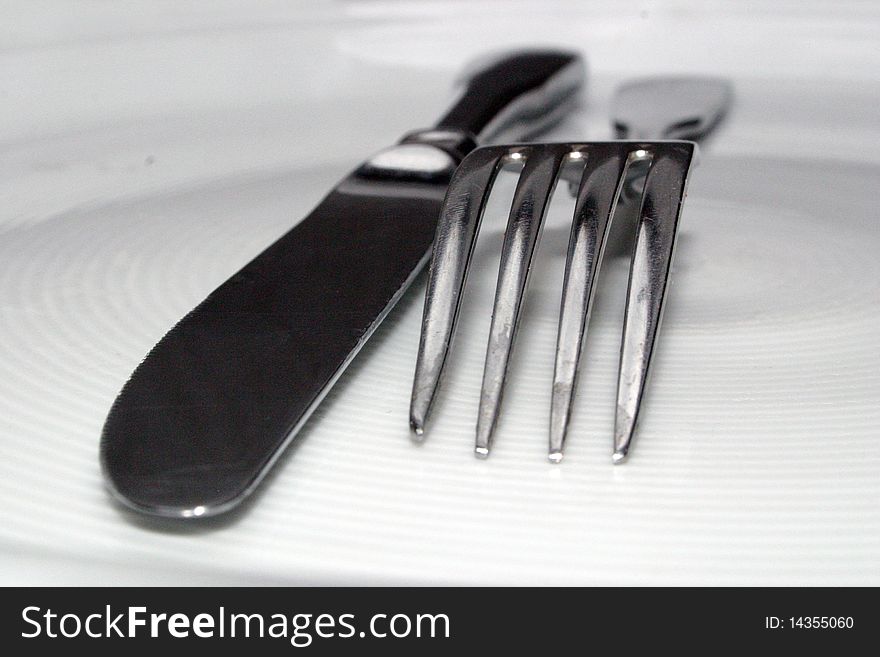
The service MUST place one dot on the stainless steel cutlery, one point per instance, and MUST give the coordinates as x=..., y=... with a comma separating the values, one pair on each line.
x=218, y=399
x=646, y=112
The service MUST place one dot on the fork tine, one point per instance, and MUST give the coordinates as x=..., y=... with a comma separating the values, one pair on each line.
x=530, y=202
x=457, y=230
x=649, y=274
x=599, y=189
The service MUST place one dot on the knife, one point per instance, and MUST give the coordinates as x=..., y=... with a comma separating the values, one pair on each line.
x=214, y=404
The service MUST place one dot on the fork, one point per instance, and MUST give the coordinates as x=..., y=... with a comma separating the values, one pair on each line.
x=656, y=170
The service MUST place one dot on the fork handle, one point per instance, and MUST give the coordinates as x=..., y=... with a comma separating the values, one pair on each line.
x=516, y=95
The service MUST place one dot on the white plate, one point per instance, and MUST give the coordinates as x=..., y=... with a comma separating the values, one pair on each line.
x=149, y=151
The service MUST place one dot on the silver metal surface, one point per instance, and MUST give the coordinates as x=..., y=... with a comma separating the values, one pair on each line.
x=241, y=373
x=453, y=246
x=604, y=172
x=530, y=202
x=681, y=107
x=667, y=107
x=410, y=160
x=534, y=112
x=662, y=200
x=599, y=188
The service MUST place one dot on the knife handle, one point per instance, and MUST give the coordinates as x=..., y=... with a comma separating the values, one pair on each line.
x=506, y=98
x=516, y=95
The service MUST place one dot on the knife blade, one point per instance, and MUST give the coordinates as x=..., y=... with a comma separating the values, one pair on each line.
x=214, y=404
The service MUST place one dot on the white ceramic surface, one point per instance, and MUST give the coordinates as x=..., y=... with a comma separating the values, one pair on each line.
x=148, y=150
